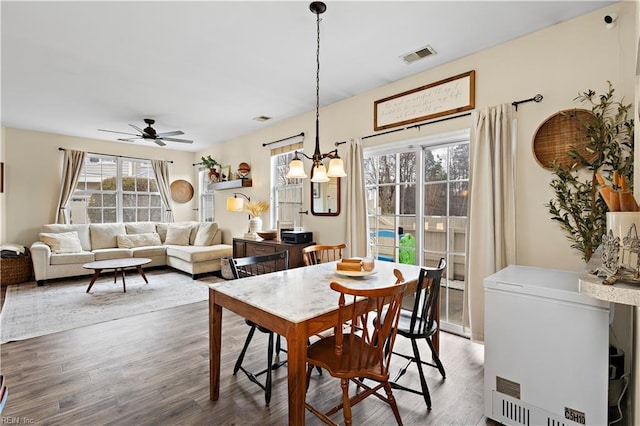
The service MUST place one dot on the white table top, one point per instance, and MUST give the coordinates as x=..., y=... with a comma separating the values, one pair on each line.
x=308, y=287
x=124, y=262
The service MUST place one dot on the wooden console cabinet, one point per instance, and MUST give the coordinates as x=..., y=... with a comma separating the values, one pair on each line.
x=244, y=248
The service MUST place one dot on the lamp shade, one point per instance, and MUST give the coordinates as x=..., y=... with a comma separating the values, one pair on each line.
x=235, y=204
x=319, y=174
x=336, y=168
x=296, y=170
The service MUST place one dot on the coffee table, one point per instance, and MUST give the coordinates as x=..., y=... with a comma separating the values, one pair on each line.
x=117, y=265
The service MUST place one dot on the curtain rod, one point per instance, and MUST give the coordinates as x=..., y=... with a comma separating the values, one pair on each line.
x=536, y=98
x=112, y=155
x=284, y=139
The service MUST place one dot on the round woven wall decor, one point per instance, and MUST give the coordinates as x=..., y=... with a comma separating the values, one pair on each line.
x=181, y=191
x=560, y=133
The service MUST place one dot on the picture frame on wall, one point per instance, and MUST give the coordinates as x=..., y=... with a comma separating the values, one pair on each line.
x=225, y=173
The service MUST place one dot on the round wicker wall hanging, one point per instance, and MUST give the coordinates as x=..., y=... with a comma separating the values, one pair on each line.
x=560, y=133
x=181, y=191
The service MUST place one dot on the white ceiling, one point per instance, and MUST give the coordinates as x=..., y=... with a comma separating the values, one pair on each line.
x=209, y=68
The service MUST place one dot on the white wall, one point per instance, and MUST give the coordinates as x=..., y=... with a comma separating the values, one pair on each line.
x=558, y=62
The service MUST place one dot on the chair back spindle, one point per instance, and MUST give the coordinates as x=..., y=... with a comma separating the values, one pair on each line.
x=313, y=255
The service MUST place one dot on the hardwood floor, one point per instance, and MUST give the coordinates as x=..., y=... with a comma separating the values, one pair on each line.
x=152, y=369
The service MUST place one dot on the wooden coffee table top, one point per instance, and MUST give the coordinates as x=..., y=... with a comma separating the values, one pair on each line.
x=127, y=262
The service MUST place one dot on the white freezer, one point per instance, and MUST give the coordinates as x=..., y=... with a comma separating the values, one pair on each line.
x=546, y=349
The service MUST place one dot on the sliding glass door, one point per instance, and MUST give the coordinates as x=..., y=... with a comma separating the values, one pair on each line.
x=417, y=205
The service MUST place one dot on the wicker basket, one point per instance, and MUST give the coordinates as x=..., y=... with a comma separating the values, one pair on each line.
x=559, y=134
x=15, y=270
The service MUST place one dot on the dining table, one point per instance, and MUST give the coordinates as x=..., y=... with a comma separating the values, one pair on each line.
x=295, y=303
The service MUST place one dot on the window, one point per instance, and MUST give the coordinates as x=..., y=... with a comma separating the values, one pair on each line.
x=207, y=198
x=286, y=194
x=116, y=189
x=417, y=207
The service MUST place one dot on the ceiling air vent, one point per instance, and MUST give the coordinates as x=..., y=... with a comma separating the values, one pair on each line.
x=262, y=118
x=418, y=54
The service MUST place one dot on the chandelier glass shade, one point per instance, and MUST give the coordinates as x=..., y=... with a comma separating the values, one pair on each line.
x=319, y=171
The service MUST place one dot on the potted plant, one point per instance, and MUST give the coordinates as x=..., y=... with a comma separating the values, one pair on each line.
x=211, y=164
x=577, y=207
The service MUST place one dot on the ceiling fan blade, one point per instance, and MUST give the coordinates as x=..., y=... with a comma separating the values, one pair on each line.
x=174, y=133
x=122, y=133
x=177, y=140
x=159, y=142
x=129, y=139
x=139, y=129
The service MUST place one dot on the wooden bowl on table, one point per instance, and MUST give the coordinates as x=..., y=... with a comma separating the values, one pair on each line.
x=268, y=235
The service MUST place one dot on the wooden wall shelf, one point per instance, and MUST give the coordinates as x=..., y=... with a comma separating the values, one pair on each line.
x=230, y=184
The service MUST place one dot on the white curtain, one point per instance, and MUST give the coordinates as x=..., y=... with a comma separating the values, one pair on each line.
x=491, y=227
x=71, y=169
x=357, y=231
x=161, y=170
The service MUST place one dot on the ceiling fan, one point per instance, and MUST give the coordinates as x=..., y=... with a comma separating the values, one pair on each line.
x=150, y=133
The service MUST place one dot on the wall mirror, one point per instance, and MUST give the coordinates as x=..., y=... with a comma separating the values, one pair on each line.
x=325, y=198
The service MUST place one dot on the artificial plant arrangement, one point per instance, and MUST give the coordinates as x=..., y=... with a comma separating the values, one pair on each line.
x=577, y=207
x=211, y=164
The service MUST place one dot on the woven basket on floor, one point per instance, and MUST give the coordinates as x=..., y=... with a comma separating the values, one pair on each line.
x=15, y=270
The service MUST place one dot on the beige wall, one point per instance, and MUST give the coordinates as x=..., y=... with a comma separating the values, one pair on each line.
x=33, y=165
x=558, y=62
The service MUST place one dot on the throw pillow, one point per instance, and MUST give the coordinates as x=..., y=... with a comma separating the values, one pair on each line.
x=140, y=227
x=63, y=242
x=139, y=240
x=178, y=235
x=205, y=234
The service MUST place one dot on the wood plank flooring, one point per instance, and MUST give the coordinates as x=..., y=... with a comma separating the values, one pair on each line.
x=152, y=369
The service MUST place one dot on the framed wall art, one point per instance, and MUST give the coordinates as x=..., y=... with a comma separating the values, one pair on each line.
x=449, y=96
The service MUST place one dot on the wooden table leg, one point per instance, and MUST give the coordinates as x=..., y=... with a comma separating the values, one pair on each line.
x=141, y=272
x=124, y=286
x=96, y=274
x=296, y=364
x=215, y=341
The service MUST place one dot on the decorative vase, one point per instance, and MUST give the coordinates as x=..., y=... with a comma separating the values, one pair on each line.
x=213, y=175
x=255, y=225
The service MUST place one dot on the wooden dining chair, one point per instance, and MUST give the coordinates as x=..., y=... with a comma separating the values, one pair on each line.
x=357, y=352
x=420, y=323
x=312, y=255
x=247, y=267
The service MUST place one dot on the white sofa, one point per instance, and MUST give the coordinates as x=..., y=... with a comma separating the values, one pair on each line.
x=192, y=247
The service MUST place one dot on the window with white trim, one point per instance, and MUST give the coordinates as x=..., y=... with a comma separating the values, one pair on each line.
x=116, y=189
x=207, y=198
x=286, y=194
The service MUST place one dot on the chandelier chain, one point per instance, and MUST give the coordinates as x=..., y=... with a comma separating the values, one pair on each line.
x=318, y=68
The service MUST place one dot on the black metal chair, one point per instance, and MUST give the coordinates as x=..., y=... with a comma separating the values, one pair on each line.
x=420, y=323
x=247, y=267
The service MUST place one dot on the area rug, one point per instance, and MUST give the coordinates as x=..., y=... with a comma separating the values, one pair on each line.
x=31, y=311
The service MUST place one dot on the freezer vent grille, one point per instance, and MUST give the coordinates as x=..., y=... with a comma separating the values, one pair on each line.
x=513, y=412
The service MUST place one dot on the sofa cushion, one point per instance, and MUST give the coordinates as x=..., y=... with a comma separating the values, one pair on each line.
x=206, y=233
x=82, y=230
x=62, y=242
x=178, y=235
x=112, y=253
x=154, y=251
x=72, y=258
x=140, y=227
x=104, y=235
x=194, y=254
x=138, y=240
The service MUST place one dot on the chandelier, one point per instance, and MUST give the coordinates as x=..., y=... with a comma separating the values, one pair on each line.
x=319, y=172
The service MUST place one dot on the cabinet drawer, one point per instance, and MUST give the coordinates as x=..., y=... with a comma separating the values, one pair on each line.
x=256, y=249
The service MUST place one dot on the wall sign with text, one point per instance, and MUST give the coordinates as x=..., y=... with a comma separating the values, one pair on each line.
x=444, y=97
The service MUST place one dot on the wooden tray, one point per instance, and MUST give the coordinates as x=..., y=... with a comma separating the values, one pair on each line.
x=560, y=133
